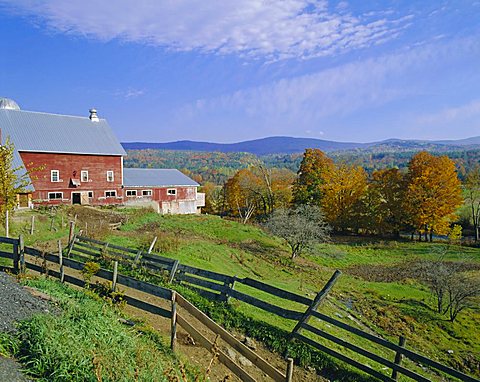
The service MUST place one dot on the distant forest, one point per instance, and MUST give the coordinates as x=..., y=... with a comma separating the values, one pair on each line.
x=218, y=167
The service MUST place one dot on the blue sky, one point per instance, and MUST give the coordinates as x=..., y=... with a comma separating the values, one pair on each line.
x=232, y=70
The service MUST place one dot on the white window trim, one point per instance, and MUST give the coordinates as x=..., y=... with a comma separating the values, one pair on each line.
x=113, y=176
x=111, y=196
x=55, y=192
x=81, y=176
x=172, y=189
x=134, y=192
x=149, y=191
x=58, y=176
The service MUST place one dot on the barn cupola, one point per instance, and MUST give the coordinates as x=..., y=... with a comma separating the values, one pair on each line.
x=93, y=115
x=8, y=104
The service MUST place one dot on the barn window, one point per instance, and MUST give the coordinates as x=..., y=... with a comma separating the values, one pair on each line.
x=84, y=175
x=172, y=191
x=55, y=195
x=110, y=176
x=146, y=192
x=90, y=194
x=55, y=176
x=110, y=194
x=131, y=192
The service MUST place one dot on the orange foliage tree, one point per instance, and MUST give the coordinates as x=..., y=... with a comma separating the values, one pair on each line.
x=433, y=193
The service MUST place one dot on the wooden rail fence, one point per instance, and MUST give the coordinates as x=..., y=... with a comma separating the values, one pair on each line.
x=20, y=264
x=218, y=286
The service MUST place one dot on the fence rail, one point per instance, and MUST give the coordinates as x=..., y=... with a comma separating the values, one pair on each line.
x=221, y=287
x=21, y=264
x=212, y=285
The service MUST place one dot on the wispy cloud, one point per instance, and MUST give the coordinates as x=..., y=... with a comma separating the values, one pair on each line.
x=451, y=114
x=270, y=29
x=308, y=101
x=129, y=93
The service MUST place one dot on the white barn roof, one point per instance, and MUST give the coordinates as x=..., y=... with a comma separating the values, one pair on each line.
x=156, y=177
x=53, y=133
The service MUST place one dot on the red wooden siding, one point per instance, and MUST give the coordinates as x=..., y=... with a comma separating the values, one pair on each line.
x=70, y=167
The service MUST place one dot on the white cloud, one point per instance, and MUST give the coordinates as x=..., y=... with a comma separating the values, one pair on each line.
x=337, y=93
x=451, y=114
x=129, y=93
x=271, y=29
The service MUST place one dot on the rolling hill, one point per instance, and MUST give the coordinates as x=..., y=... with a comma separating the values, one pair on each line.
x=291, y=145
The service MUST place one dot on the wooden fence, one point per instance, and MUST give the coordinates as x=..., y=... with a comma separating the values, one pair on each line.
x=20, y=257
x=222, y=287
x=213, y=285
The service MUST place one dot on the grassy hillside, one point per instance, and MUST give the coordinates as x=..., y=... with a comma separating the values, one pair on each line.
x=83, y=340
x=374, y=293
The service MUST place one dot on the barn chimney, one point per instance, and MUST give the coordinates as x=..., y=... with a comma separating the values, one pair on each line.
x=93, y=115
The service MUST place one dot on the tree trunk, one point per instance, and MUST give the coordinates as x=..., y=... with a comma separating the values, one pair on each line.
x=431, y=235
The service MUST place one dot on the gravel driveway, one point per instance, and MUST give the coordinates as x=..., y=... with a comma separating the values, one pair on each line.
x=16, y=304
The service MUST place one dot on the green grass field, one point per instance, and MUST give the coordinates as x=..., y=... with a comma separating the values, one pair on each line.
x=83, y=340
x=363, y=296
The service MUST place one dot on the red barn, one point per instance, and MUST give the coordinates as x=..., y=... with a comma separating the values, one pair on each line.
x=166, y=190
x=78, y=160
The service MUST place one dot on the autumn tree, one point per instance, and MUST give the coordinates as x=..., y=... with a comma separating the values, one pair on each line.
x=433, y=193
x=387, y=188
x=472, y=197
x=343, y=188
x=241, y=195
x=300, y=227
x=12, y=182
x=308, y=187
x=214, y=198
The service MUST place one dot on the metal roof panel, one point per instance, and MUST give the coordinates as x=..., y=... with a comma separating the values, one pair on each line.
x=155, y=177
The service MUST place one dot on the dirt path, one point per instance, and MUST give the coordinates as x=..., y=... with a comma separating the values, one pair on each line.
x=16, y=304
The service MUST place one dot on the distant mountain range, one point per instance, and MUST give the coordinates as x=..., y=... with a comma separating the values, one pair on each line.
x=290, y=145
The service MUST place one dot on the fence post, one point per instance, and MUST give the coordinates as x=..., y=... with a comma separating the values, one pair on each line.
x=230, y=286
x=115, y=275
x=71, y=244
x=173, y=337
x=72, y=230
x=16, y=257
x=173, y=271
x=289, y=374
x=137, y=257
x=32, y=225
x=316, y=303
x=60, y=262
x=150, y=249
x=21, y=254
x=398, y=356
x=7, y=224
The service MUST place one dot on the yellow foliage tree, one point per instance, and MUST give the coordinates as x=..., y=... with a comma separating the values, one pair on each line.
x=433, y=193
x=343, y=189
x=307, y=188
